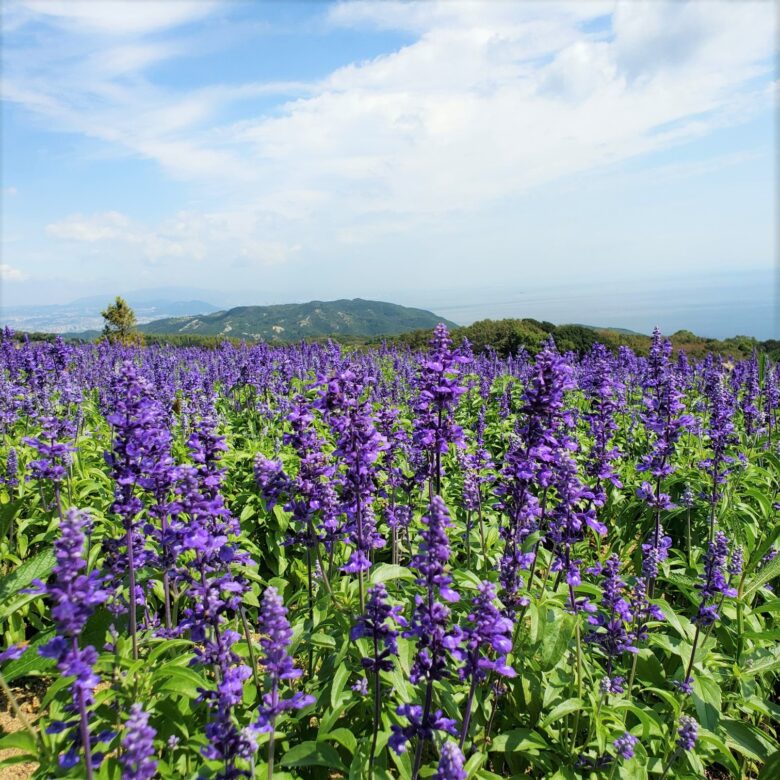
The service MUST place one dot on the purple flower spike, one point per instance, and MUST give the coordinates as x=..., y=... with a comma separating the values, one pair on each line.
x=138, y=761
x=418, y=726
x=714, y=581
x=615, y=617
x=438, y=393
x=430, y=619
x=75, y=596
x=624, y=745
x=688, y=732
x=489, y=630
x=450, y=763
x=12, y=653
x=276, y=659
x=373, y=624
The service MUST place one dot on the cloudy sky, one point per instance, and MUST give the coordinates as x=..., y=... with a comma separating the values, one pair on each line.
x=285, y=151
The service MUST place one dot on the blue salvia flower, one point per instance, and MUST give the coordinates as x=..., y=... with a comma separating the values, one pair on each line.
x=215, y=590
x=656, y=550
x=418, y=726
x=624, y=745
x=714, y=581
x=313, y=495
x=613, y=623
x=688, y=733
x=749, y=402
x=642, y=611
x=439, y=390
x=430, y=619
x=721, y=435
x=140, y=440
x=376, y=624
x=361, y=687
x=75, y=595
x=11, y=477
x=137, y=759
x=489, y=631
x=736, y=561
x=528, y=466
x=430, y=626
x=54, y=456
x=450, y=763
x=12, y=652
x=358, y=446
x=603, y=390
x=276, y=660
x=665, y=423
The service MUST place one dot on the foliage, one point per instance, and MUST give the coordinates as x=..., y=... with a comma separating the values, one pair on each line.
x=305, y=601
x=120, y=322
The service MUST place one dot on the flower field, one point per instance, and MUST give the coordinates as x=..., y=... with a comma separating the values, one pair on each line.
x=306, y=562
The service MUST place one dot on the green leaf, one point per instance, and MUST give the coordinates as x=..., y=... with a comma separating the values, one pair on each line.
x=771, y=769
x=771, y=635
x=564, y=708
x=178, y=679
x=313, y=754
x=747, y=739
x=385, y=572
x=556, y=633
x=725, y=756
x=674, y=620
x=319, y=639
x=761, y=661
x=651, y=723
x=769, y=572
x=30, y=662
x=37, y=568
x=474, y=763
x=339, y=681
x=19, y=740
x=707, y=700
x=518, y=740
x=343, y=736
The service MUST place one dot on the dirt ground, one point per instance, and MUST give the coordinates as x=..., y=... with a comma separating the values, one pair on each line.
x=29, y=700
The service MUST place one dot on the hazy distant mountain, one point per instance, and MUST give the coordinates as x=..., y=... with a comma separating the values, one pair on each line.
x=293, y=321
x=84, y=313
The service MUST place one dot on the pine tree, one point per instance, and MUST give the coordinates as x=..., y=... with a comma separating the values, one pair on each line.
x=120, y=322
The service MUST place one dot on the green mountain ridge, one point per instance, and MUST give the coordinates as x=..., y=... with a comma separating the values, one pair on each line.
x=295, y=321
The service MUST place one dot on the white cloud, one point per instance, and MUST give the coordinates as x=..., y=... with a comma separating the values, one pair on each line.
x=491, y=99
x=189, y=236
x=101, y=227
x=10, y=191
x=121, y=17
x=10, y=274
x=487, y=102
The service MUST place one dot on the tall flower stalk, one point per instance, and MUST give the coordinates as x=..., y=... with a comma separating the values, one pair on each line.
x=376, y=624
x=140, y=440
x=430, y=627
x=488, y=631
x=276, y=636
x=713, y=588
x=358, y=446
x=74, y=594
x=438, y=391
x=665, y=423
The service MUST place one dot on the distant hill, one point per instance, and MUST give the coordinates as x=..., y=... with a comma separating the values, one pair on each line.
x=295, y=321
x=82, y=316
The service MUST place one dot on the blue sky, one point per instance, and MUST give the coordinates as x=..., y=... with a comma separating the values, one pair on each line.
x=287, y=151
